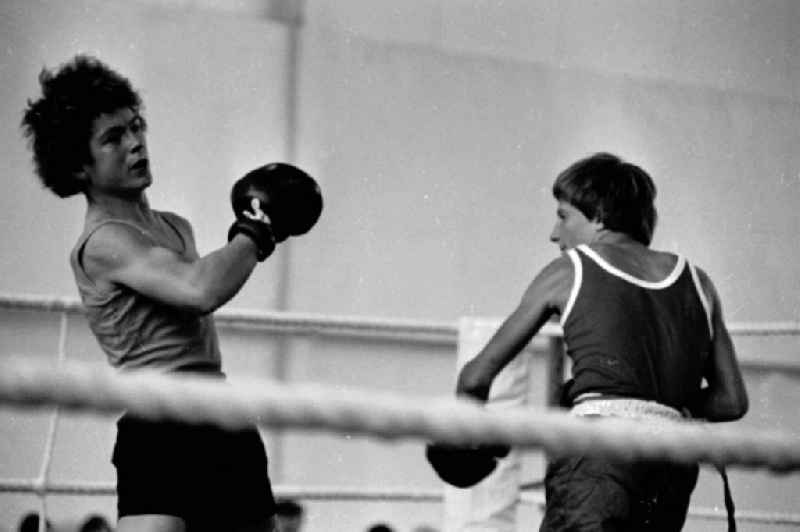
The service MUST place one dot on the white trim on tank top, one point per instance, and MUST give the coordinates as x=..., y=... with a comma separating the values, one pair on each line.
x=577, y=281
x=613, y=270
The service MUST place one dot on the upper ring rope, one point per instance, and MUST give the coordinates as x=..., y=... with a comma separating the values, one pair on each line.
x=197, y=399
x=293, y=322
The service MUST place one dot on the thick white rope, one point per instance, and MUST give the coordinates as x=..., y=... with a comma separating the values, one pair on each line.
x=406, y=330
x=270, y=404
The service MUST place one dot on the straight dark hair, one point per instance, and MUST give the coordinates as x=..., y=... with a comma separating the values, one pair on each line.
x=614, y=192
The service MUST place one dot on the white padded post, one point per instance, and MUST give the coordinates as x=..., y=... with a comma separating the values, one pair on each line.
x=491, y=505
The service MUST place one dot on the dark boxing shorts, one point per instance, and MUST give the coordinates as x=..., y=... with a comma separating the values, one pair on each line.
x=586, y=494
x=210, y=477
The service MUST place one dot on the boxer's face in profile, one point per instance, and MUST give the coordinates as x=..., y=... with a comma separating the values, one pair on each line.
x=572, y=228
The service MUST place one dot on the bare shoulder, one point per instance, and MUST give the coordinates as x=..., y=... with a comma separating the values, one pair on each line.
x=702, y=275
x=553, y=283
x=706, y=284
x=557, y=270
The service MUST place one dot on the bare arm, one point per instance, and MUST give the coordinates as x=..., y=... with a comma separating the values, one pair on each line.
x=544, y=297
x=119, y=254
x=725, y=398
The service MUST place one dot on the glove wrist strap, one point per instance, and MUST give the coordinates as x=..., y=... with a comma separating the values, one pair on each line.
x=259, y=232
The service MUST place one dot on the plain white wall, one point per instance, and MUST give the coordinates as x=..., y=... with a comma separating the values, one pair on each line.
x=435, y=129
x=442, y=125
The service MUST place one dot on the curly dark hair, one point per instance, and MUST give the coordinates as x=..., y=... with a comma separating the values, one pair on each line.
x=58, y=125
x=617, y=193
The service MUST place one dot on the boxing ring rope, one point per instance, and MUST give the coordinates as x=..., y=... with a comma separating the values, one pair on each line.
x=155, y=395
x=381, y=494
x=23, y=383
x=81, y=386
x=294, y=323
x=410, y=331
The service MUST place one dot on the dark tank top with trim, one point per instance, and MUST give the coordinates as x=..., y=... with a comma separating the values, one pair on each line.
x=628, y=337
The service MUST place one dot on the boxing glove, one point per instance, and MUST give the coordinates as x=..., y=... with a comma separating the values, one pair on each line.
x=463, y=466
x=289, y=197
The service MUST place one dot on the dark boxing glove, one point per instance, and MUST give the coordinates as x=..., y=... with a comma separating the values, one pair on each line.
x=289, y=197
x=463, y=466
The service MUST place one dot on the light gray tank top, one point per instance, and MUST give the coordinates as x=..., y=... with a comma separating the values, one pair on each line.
x=135, y=331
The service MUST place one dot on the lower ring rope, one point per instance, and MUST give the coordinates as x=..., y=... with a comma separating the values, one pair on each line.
x=153, y=395
x=348, y=493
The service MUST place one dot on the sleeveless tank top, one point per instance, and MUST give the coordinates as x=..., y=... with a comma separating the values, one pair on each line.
x=135, y=331
x=628, y=337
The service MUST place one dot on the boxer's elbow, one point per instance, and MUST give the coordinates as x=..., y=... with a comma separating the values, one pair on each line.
x=738, y=407
x=727, y=407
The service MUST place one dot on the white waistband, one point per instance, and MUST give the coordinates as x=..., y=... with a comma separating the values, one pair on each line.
x=627, y=408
